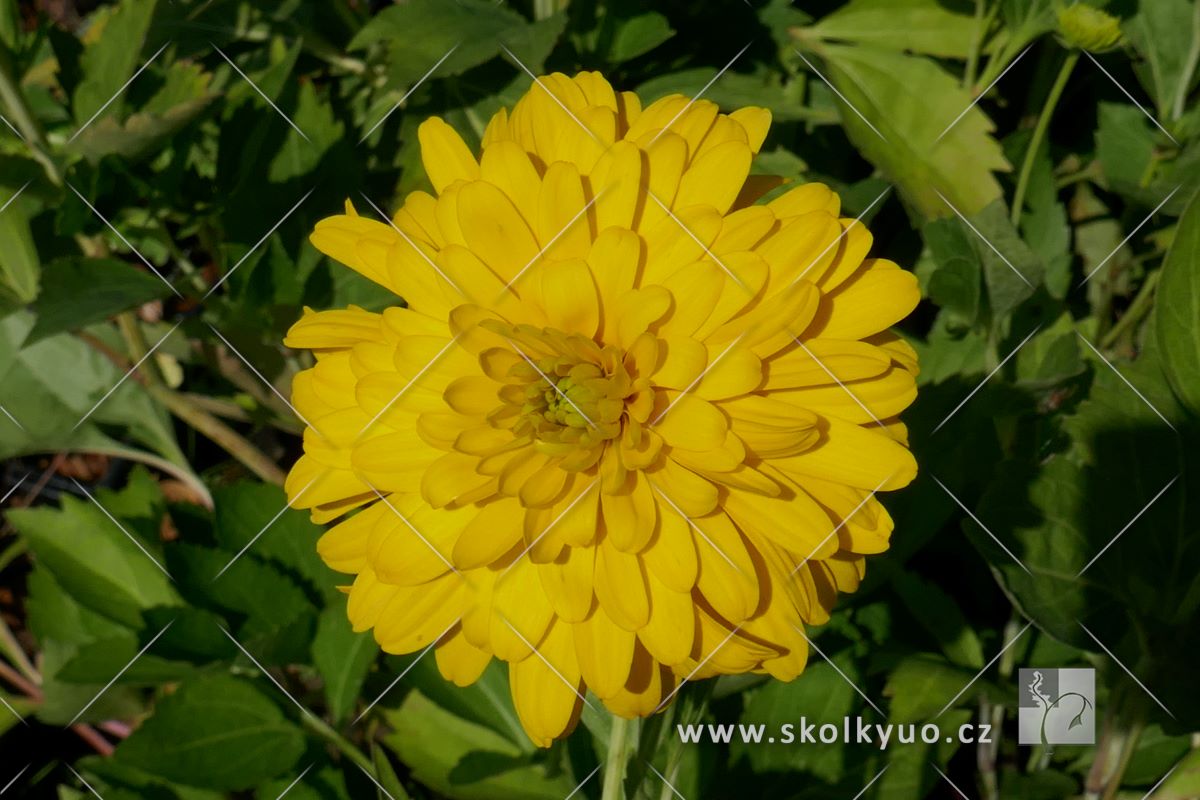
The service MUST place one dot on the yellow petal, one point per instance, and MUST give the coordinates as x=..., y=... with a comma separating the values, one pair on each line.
x=459, y=661
x=507, y=166
x=669, y=633
x=562, y=227
x=570, y=298
x=416, y=616
x=878, y=296
x=545, y=687
x=494, y=229
x=715, y=177
x=621, y=586
x=860, y=456
x=605, y=652
x=493, y=531
x=445, y=156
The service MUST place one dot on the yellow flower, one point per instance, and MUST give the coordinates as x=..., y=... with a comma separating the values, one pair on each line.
x=629, y=427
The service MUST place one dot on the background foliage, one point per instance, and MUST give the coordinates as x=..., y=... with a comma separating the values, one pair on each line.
x=160, y=166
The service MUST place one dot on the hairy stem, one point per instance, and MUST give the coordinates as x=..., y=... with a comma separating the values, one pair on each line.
x=1039, y=133
x=618, y=755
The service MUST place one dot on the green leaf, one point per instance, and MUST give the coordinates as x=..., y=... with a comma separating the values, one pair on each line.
x=819, y=696
x=81, y=291
x=921, y=26
x=112, y=55
x=1184, y=781
x=956, y=284
x=1177, y=315
x=734, y=90
x=101, y=661
x=920, y=686
x=1165, y=33
x=97, y=563
x=465, y=761
x=419, y=33
x=937, y=613
x=908, y=102
x=1011, y=271
x=639, y=34
x=216, y=732
x=343, y=658
x=19, y=264
x=138, y=136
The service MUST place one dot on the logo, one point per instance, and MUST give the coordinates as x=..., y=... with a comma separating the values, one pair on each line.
x=1057, y=706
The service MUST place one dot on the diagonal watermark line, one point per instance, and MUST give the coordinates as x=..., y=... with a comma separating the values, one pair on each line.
x=292, y=785
x=125, y=377
x=579, y=786
x=406, y=670
x=696, y=239
x=84, y=782
x=261, y=93
x=258, y=244
x=14, y=712
x=413, y=245
x=122, y=528
x=698, y=667
x=871, y=782
x=857, y=400
x=691, y=522
x=838, y=670
x=1126, y=381
x=407, y=94
x=841, y=96
x=996, y=369
x=1161, y=781
x=1128, y=672
x=290, y=503
x=125, y=241
x=663, y=778
x=550, y=243
x=1128, y=525
x=982, y=94
x=541, y=84
x=263, y=378
x=688, y=389
x=971, y=514
x=436, y=358
x=548, y=528
x=413, y=528
x=841, y=524
x=696, y=97
x=116, y=677
x=947, y=779
x=1132, y=233
x=9, y=125
x=375, y=781
x=544, y=660
x=14, y=778
x=14, y=197
x=983, y=238
x=118, y=93
x=1133, y=100
x=986, y=667
x=14, y=487
x=264, y=671
x=551, y=383
x=12, y=419
x=842, y=235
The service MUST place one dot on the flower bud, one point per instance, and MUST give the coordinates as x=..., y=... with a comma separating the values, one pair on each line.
x=1088, y=28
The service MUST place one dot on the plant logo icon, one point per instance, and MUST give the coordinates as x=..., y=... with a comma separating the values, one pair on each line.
x=1057, y=706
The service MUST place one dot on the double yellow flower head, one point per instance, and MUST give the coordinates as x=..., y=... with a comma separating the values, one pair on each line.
x=628, y=427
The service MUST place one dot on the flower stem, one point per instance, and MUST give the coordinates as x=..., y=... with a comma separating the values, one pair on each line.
x=1039, y=133
x=618, y=755
x=1137, y=310
x=344, y=745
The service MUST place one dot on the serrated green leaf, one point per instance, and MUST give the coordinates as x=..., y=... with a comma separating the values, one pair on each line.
x=216, y=732
x=113, y=54
x=81, y=291
x=96, y=562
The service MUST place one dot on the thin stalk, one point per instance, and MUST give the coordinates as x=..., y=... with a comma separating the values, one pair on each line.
x=976, y=45
x=1189, y=69
x=618, y=755
x=12, y=648
x=1039, y=133
x=22, y=116
x=343, y=745
x=1141, y=305
x=221, y=434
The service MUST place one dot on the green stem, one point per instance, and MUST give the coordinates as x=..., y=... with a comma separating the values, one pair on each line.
x=618, y=754
x=976, y=45
x=22, y=116
x=1039, y=133
x=1193, y=59
x=1137, y=310
x=344, y=745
